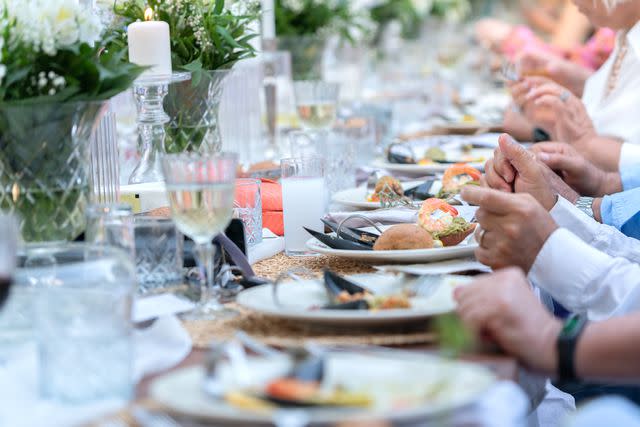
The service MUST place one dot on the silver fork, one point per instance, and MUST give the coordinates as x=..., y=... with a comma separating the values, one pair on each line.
x=509, y=71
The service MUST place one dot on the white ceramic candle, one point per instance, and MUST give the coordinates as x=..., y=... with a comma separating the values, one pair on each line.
x=149, y=45
x=268, y=20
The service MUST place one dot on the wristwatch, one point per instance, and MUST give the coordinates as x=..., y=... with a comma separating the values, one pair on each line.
x=566, y=346
x=585, y=204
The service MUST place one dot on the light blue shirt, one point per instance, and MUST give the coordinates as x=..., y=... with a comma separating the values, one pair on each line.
x=622, y=210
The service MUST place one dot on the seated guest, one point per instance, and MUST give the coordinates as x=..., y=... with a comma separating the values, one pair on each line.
x=611, y=98
x=607, y=350
x=615, y=195
x=586, y=266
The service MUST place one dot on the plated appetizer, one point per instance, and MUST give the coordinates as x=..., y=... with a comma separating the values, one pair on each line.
x=441, y=220
x=456, y=177
x=387, y=187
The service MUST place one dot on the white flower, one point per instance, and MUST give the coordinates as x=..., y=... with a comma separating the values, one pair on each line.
x=422, y=7
x=50, y=25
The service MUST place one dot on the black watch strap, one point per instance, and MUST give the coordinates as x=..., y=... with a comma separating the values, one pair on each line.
x=540, y=135
x=566, y=346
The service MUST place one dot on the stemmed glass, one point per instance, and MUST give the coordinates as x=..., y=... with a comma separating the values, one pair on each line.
x=201, y=190
x=316, y=103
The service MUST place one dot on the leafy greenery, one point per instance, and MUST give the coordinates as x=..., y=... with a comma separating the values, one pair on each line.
x=317, y=18
x=204, y=34
x=401, y=11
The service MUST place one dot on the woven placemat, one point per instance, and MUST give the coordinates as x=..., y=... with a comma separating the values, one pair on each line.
x=284, y=333
x=272, y=267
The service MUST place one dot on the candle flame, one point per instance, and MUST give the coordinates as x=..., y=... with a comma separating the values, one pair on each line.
x=148, y=14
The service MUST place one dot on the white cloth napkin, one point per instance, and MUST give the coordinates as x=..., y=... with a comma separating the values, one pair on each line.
x=440, y=267
x=271, y=245
x=399, y=215
x=157, y=348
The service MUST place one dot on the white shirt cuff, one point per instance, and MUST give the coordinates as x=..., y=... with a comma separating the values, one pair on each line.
x=629, y=155
x=566, y=215
x=567, y=267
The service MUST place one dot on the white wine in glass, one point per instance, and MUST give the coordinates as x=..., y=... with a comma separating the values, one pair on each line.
x=317, y=116
x=201, y=190
x=201, y=210
x=316, y=103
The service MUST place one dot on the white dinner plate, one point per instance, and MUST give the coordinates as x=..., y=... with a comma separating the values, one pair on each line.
x=299, y=298
x=357, y=197
x=415, y=169
x=452, y=147
x=403, y=387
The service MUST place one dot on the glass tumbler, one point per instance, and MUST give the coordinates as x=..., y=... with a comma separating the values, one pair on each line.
x=159, y=253
x=248, y=207
x=303, y=201
x=112, y=225
x=82, y=312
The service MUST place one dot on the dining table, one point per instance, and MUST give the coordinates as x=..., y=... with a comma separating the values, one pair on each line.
x=503, y=366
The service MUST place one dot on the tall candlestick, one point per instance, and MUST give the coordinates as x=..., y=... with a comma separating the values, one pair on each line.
x=149, y=45
x=268, y=20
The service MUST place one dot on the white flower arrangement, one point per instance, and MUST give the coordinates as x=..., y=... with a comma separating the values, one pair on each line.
x=39, y=39
x=50, y=25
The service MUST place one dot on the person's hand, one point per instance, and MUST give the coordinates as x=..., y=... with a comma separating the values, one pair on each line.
x=514, y=227
x=520, y=91
x=537, y=62
x=515, y=169
x=503, y=307
x=555, y=109
x=578, y=172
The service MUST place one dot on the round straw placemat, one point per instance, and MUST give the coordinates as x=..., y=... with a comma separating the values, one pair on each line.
x=284, y=333
x=272, y=267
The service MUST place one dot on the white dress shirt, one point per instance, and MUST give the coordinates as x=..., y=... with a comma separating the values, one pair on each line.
x=588, y=267
x=617, y=114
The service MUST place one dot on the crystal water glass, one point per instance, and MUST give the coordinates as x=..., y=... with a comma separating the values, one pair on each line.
x=248, y=208
x=316, y=103
x=159, y=253
x=337, y=151
x=303, y=201
x=105, y=168
x=113, y=225
x=201, y=190
x=82, y=311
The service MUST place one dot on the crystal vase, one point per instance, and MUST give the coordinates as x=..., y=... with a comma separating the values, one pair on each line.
x=193, y=107
x=44, y=166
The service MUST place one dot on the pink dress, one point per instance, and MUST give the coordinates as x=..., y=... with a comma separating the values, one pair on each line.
x=590, y=55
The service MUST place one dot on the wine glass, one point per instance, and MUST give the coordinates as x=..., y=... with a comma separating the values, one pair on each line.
x=201, y=190
x=316, y=103
x=8, y=251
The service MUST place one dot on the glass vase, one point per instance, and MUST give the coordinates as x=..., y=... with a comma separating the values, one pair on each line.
x=193, y=107
x=306, y=56
x=44, y=166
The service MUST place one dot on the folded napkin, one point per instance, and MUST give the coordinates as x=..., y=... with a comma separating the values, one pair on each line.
x=436, y=268
x=399, y=215
x=271, y=245
x=156, y=348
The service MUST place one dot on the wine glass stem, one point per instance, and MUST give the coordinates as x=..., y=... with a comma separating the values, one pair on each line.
x=206, y=254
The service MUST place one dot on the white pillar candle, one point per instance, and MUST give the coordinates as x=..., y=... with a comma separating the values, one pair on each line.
x=149, y=45
x=268, y=20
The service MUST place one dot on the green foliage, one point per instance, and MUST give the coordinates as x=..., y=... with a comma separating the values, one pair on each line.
x=454, y=338
x=316, y=18
x=204, y=34
x=90, y=73
x=401, y=11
